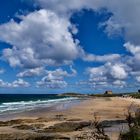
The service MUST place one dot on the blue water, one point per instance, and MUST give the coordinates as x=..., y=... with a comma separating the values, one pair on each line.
x=14, y=103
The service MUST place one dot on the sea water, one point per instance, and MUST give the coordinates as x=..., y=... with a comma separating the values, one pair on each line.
x=15, y=103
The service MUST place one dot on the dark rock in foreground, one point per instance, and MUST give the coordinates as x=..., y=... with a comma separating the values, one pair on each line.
x=67, y=127
x=32, y=137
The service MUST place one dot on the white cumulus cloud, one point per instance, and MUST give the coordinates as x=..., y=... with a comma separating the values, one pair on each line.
x=14, y=84
x=41, y=38
x=108, y=74
x=32, y=72
x=55, y=79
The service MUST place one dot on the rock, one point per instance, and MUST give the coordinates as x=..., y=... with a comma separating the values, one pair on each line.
x=67, y=127
x=29, y=136
x=29, y=127
x=24, y=127
x=17, y=121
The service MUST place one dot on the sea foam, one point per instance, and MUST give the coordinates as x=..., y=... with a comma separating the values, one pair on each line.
x=21, y=106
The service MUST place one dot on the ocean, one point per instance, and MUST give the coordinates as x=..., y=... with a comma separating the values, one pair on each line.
x=16, y=103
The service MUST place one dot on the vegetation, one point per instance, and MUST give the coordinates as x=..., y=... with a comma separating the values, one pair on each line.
x=133, y=121
x=135, y=95
x=97, y=131
x=132, y=94
x=106, y=95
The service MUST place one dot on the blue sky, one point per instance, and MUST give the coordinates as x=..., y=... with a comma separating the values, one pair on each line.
x=84, y=46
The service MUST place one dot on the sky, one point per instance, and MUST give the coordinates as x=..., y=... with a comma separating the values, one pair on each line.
x=57, y=46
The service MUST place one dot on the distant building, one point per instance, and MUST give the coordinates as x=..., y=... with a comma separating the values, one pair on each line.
x=108, y=92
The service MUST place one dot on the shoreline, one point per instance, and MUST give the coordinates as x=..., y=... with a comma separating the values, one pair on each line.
x=72, y=121
x=41, y=111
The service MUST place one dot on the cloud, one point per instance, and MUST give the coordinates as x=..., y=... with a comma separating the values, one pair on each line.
x=61, y=7
x=126, y=18
x=109, y=70
x=44, y=37
x=73, y=71
x=134, y=49
x=20, y=83
x=112, y=28
x=109, y=74
x=32, y=72
x=122, y=17
x=133, y=60
x=3, y=84
x=41, y=38
x=60, y=73
x=14, y=84
x=119, y=83
x=123, y=21
x=42, y=71
x=117, y=72
x=138, y=78
x=101, y=58
x=136, y=75
x=51, y=83
x=55, y=79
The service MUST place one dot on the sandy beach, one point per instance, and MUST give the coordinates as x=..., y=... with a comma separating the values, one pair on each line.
x=68, y=123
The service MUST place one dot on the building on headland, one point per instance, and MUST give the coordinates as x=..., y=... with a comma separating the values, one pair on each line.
x=108, y=92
